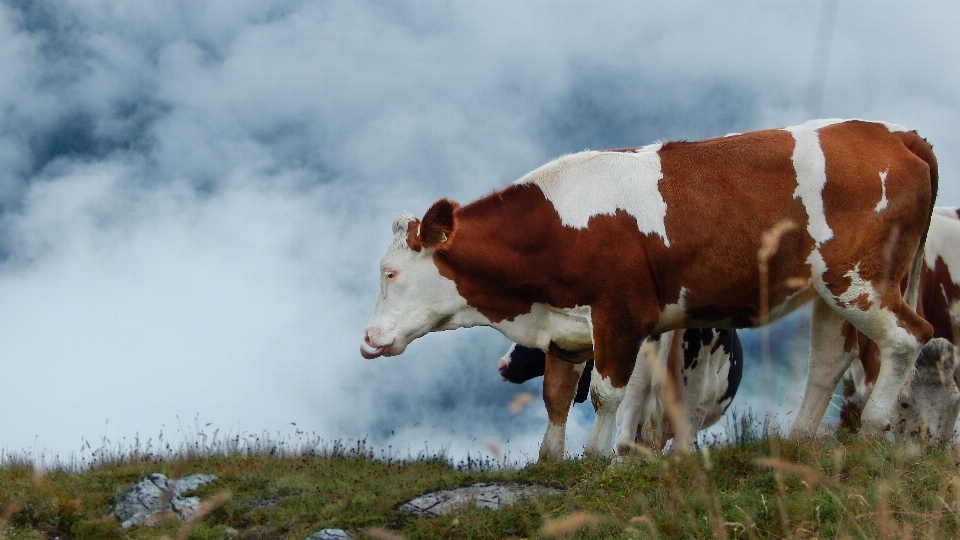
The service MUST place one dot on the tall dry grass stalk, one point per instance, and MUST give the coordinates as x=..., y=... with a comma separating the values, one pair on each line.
x=379, y=533
x=205, y=508
x=886, y=526
x=955, y=487
x=569, y=524
x=519, y=401
x=811, y=478
x=649, y=528
x=673, y=407
x=955, y=317
x=769, y=245
x=7, y=513
x=647, y=453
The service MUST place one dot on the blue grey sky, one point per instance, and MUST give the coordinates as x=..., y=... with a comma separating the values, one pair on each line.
x=194, y=195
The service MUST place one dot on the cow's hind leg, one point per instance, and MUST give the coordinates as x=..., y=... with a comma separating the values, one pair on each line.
x=560, y=380
x=826, y=366
x=899, y=334
x=883, y=317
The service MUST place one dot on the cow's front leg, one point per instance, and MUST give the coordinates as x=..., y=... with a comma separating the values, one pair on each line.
x=560, y=380
x=615, y=349
x=606, y=399
x=634, y=411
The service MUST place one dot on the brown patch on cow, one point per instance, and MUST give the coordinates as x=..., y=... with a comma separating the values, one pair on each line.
x=870, y=358
x=850, y=337
x=413, y=237
x=849, y=389
x=560, y=380
x=937, y=292
x=756, y=171
x=493, y=254
x=850, y=415
x=861, y=302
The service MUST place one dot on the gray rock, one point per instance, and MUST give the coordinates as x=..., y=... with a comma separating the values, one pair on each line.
x=158, y=496
x=329, y=534
x=492, y=496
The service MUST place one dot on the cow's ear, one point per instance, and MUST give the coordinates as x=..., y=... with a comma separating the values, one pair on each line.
x=438, y=224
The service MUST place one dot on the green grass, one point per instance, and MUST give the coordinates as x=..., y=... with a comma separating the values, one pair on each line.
x=755, y=487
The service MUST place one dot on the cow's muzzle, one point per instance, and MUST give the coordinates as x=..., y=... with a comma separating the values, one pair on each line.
x=371, y=350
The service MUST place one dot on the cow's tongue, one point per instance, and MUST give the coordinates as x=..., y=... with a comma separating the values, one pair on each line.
x=370, y=354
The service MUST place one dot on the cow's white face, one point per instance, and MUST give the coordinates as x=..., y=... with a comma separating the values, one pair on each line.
x=929, y=404
x=414, y=298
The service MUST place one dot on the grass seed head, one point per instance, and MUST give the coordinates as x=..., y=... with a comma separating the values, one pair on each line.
x=811, y=477
x=378, y=533
x=569, y=524
x=519, y=401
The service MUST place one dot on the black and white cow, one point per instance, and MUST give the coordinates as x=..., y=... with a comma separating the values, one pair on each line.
x=703, y=365
x=928, y=405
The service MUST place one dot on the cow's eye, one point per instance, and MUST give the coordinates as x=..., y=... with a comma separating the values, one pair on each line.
x=390, y=275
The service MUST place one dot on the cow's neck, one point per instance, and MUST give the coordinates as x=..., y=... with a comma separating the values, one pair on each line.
x=503, y=258
x=504, y=255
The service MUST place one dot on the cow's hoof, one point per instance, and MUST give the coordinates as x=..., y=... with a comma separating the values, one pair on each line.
x=874, y=429
x=628, y=448
x=549, y=458
x=595, y=453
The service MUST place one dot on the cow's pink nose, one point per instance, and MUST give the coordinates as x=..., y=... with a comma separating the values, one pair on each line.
x=371, y=350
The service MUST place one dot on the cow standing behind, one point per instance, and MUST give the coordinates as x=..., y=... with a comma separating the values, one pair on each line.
x=928, y=405
x=704, y=366
x=591, y=253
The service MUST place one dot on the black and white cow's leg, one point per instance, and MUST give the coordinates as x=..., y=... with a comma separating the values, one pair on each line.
x=826, y=366
x=560, y=380
x=635, y=408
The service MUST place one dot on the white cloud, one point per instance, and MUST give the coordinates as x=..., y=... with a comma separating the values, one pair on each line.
x=194, y=196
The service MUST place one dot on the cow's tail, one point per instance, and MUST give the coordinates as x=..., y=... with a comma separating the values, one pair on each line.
x=923, y=150
x=912, y=294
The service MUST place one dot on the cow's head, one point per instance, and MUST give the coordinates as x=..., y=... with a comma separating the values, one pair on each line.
x=414, y=298
x=521, y=364
x=929, y=403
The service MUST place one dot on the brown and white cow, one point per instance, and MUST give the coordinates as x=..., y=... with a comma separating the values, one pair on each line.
x=592, y=252
x=928, y=404
x=703, y=366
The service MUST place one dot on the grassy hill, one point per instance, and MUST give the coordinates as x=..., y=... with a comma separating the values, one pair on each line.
x=753, y=487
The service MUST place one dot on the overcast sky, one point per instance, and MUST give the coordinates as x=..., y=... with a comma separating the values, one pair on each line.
x=194, y=195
